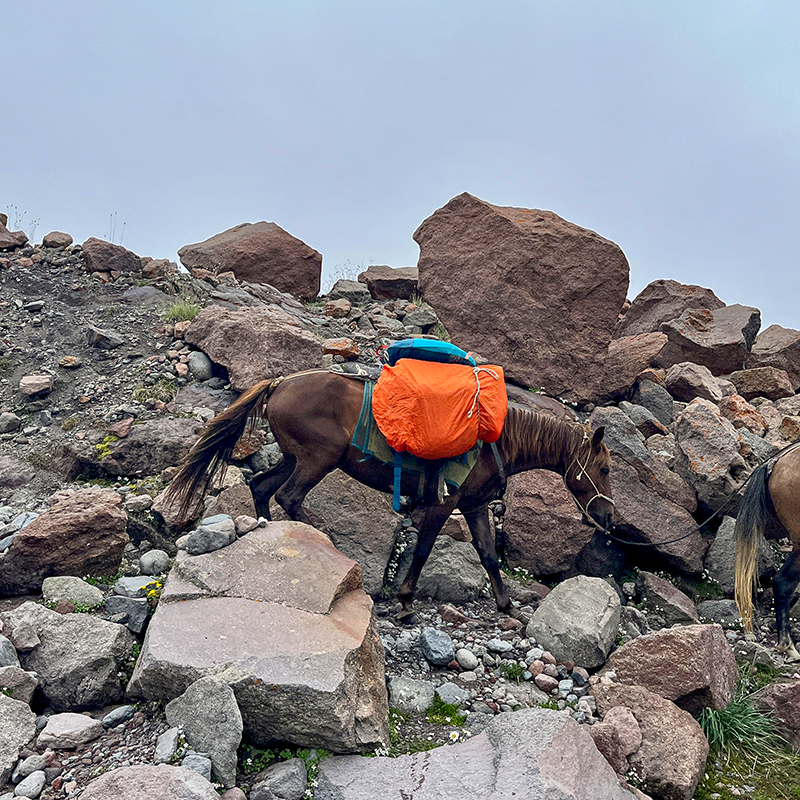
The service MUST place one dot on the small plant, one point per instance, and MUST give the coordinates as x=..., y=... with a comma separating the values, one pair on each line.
x=440, y=332
x=254, y=759
x=512, y=671
x=181, y=311
x=6, y=691
x=6, y=367
x=154, y=589
x=441, y=713
x=104, y=580
x=163, y=390
x=104, y=447
x=85, y=608
x=70, y=423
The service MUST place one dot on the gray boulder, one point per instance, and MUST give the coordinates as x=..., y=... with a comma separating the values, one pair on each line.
x=410, y=695
x=531, y=754
x=285, y=623
x=147, y=780
x=578, y=621
x=662, y=598
x=67, y=731
x=21, y=684
x=436, y=646
x=656, y=399
x=17, y=728
x=68, y=587
x=211, y=721
x=78, y=658
x=8, y=653
x=286, y=780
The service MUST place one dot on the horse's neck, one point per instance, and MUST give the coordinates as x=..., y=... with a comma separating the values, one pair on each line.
x=541, y=442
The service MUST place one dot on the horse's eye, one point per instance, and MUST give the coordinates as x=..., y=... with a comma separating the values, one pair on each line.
x=604, y=470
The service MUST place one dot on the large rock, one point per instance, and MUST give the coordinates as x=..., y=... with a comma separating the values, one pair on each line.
x=11, y=240
x=660, y=597
x=151, y=447
x=672, y=756
x=148, y=780
x=452, y=573
x=282, y=620
x=531, y=754
x=17, y=728
x=769, y=382
x=628, y=357
x=780, y=348
x=662, y=301
x=389, y=283
x=720, y=339
x=102, y=256
x=641, y=514
x=260, y=252
x=578, y=621
x=210, y=719
x=254, y=343
x=741, y=414
x=78, y=658
x=526, y=289
x=685, y=381
x=82, y=534
x=692, y=665
x=708, y=457
x=544, y=531
x=782, y=701
x=14, y=473
x=67, y=731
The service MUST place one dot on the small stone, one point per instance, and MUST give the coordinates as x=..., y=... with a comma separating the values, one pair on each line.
x=36, y=384
x=166, y=746
x=199, y=763
x=154, y=562
x=118, y=716
x=436, y=646
x=466, y=659
x=31, y=786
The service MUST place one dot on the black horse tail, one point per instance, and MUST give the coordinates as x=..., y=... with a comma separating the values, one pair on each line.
x=214, y=447
x=749, y=530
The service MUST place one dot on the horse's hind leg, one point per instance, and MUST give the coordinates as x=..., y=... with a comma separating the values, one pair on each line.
x=784, y=583
x=431, y=524
x=265, y=484
x=303, y=479
x=483, y=543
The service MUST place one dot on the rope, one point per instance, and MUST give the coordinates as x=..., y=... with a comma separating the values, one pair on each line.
x=475, y=371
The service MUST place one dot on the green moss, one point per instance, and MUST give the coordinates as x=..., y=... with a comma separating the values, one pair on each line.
x=441, y=713
x=163, y=389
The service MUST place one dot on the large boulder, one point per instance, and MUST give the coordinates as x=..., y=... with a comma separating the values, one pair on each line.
x=781, y=700
x=629, y=357
x=150, y=780
x=769, y=382
x=78, y=657
x=103, y=256
x=672, y=756
x=11, y=240
x=452, y=573
x=661, y=301
x=283, y=620
x=692, y=665
x=780, y=348
x=720, y=339
x=151, y=447
x=17, y=728
x=660, y=597
x=81, y=534
x=526, y=289
x=254, y=343
x=389, y=283
x=544, y=530
x=260, y=252
x=578, y=621
x=685, y=381
x=708, y=456
x=530, y=754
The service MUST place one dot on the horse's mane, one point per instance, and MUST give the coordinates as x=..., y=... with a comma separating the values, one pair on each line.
x=531, y=436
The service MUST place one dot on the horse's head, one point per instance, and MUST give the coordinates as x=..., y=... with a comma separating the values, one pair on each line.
x=587, y=478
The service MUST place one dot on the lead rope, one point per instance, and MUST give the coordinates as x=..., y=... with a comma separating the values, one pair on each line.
x=597, y=495
x=475, y=372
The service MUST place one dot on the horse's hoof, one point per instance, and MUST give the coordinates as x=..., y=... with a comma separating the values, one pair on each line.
x=790, y=654
x=407, y=618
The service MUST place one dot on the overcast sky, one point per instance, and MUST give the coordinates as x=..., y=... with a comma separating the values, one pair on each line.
x=672, y=128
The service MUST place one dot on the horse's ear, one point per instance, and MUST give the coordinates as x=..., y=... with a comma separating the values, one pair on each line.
x=598, y=437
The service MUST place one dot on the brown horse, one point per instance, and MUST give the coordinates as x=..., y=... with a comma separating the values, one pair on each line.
x=313, y=416
x=770, y=507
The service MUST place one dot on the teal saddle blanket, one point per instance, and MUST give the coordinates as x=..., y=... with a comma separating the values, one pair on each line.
x=447, y=474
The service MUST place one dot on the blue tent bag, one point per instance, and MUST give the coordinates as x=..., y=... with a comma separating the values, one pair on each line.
x=426, y=350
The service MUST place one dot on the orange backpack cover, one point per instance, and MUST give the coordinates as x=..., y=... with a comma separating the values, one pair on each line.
x=434, y=410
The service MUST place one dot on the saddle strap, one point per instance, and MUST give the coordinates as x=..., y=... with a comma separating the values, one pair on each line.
x=398, y=475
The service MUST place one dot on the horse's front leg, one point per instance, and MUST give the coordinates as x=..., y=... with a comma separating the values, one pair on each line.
x=784, y=583
x=433, y=519
x=483, y=542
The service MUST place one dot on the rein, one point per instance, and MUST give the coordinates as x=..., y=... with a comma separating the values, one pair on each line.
x=598, y=495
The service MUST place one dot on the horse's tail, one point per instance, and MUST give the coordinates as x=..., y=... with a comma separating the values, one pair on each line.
x=215, y=445
x=749, y=530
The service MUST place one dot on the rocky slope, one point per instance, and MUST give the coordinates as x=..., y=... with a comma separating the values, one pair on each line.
x=104, y=383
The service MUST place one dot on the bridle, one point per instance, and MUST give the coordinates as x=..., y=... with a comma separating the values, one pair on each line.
x=598, y=495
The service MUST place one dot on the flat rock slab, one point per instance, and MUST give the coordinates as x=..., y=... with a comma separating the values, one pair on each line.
x=68, y=731
x=145, y=780
x=281, y=618
x=530, y=754
x=17, y=728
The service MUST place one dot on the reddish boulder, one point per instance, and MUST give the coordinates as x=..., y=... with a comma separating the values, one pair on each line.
x=742, y=415
x=543, y=527
x=344, y=347
x=81, y=534
x=769, y=382
x=782, y=701
x=526, y=289
x=56, y=239
x=102, y=256
x=14, y=473
x=720, y=339
x=662, y=598
x=254, y=343
x=390, y=283
x=685, y=381
x=692, y=665
x=10, y=240
x=673, y=753
x=662, y=301
x=780, y=348
x=260, y=252
x=628, y=358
